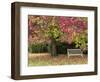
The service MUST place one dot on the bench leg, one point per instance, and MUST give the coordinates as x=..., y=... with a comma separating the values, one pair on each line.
x=68, y=54
x=82, y=55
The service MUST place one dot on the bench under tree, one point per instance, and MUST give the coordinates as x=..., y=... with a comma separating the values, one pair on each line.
x=74, y=52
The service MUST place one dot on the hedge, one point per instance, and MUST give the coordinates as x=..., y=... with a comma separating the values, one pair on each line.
x=42, y=48
x=38, y=48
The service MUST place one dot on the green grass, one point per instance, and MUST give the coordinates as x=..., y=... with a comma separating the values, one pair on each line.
x=47, y=60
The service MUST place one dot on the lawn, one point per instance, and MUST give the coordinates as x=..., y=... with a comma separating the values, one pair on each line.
x=45, y=59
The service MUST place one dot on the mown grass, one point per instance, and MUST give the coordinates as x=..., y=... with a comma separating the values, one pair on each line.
x=45, y=59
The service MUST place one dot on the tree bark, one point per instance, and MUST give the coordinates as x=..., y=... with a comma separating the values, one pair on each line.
x=53, y=49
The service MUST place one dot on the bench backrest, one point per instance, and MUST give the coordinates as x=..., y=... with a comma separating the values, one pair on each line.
x=74, y=51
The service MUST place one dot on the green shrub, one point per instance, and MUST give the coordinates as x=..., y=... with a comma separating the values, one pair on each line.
x=61, y=48
x=37, y=48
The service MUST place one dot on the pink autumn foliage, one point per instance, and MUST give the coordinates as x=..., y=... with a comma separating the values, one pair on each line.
x=66, y=23
x=71, y=25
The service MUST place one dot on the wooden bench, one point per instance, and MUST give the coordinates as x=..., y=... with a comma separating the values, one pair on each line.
x=74, y=52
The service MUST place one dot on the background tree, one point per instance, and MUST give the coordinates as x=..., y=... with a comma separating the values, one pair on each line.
x=45, y=27
x=75, y=29
x=50, y=29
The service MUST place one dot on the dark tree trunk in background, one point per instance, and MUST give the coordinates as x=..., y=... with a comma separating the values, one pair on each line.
x=52, y=48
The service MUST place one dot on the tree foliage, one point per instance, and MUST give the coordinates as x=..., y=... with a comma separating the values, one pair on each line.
x=42, y=29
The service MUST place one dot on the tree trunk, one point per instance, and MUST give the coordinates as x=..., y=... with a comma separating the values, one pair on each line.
x=53, y=50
